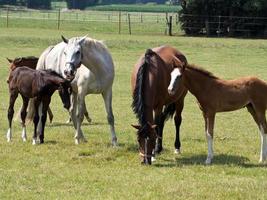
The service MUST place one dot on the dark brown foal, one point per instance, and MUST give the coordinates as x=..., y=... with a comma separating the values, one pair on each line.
x=30, y=62
x=39, y=85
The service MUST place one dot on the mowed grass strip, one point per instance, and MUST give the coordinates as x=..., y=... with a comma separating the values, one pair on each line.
x=59, y=169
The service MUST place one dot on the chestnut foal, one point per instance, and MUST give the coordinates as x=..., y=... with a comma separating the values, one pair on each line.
x=219, y=95
x=39, y=85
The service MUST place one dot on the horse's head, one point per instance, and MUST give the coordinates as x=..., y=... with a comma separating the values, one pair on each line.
x=146, y=137
x=73, y=56
x=176, y=76
x=65, y=91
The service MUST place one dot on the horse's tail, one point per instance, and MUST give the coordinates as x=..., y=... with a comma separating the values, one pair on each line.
x=138, y=94
x=30, y=111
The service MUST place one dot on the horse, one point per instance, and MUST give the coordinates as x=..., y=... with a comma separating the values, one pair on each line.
x=218, y=95
x=89, y=65
x=31, y=62
x=40, y=85
x=149, y=81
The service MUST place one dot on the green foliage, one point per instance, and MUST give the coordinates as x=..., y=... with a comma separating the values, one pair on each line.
x=238, y=18
x=44, y=4
x=10, y=2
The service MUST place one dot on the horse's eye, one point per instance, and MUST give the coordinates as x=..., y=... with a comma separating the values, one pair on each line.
x=78, y=52
x=64, y=52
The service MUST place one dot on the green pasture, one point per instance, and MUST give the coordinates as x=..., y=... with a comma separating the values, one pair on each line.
x=59, y=169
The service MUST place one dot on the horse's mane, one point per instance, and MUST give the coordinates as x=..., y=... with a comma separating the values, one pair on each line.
x=138, y=94
x=98, y=44
x=52, y=72
x=201, y=71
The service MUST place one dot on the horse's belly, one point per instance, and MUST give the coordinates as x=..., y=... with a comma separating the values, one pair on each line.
x=232, y=105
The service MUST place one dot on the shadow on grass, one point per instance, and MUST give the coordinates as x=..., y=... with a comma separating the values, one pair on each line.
x=59, y=124
x=50, y=142
x=219, y=159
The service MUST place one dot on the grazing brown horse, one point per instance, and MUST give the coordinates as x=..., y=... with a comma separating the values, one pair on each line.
x=150, y=79
x=39, y=85
x=218, y=95
x=30, y=62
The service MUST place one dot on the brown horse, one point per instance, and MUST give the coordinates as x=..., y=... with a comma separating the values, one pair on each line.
x=39, y=85
x=150, y=79
x=218, y=95
x=30, y=62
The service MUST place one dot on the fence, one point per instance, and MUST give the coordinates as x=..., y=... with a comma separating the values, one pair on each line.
x=224, y=25
x=93, y=21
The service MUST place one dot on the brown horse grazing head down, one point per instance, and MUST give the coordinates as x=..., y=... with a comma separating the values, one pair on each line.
x=150, y=79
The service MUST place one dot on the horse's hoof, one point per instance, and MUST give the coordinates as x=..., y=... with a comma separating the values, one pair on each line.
x=77, y=141
x=114, y=142
x=208, y=161
x=34, y=142
x=153, y=159
x=89, y=119
x=177, y=151
x=158, y=149
x=8, y=140
x=24, y=139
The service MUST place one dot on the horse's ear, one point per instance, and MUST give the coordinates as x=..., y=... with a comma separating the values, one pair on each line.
x=136, y=126
x=82, y=39
x=64, y=39
x=9, y=60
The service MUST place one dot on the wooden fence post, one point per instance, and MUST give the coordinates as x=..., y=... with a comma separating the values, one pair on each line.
x=58, y=21
x=170, y=26
x=129, y=22
x=119, y=22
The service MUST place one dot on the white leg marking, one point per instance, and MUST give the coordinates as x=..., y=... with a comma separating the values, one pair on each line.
x=210, y=149
x=177, y=151
x=263, y=154
x=9, y=135
x=39, y=126
x=153, y=159
x=23, y=134
x=34, y=141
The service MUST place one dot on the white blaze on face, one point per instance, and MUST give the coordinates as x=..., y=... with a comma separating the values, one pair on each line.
x=174, y=75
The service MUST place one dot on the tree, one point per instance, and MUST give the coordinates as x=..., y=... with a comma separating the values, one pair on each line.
x=37, y=4
x=238, y=18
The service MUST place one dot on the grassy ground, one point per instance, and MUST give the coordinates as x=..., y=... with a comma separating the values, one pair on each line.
x=59, y=169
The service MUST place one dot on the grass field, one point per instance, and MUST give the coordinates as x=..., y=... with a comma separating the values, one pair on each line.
x=59, y=169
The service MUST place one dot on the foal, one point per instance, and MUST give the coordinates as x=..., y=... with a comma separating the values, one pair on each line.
x=39, y=85
x=31, y=62
x=218, y=95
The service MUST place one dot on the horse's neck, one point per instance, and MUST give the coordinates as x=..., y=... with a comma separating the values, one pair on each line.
x=198, y=83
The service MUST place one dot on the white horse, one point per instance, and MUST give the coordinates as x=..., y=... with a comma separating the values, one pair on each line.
x=89, y=64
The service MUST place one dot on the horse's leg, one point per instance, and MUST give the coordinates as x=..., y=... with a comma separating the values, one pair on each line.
x=159, y=121
x=78, y=118
x=86, y=113
x=178, y=120
x=12, y=99
x=107, y=96
x=263, y=133
x=35, y=120
x=23, y=114
x=209, y=124
x=50, y=114
x=46, y=102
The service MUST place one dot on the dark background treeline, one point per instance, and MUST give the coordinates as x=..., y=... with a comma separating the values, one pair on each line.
x=74, y=4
